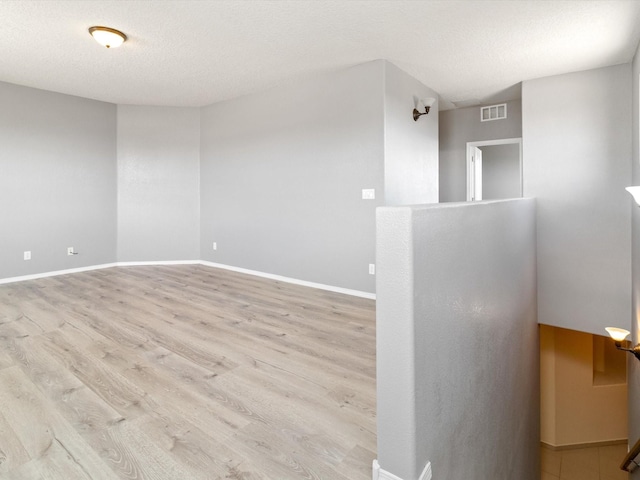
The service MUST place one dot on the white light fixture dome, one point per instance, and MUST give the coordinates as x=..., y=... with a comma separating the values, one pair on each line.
x=618, y=334
x=108, y=37
x=635, y=192
x=427, y=103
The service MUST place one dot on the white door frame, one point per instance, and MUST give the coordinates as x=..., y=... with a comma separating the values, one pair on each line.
x=484, y=143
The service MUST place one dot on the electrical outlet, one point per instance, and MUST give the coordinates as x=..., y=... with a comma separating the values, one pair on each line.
x=372, y=269
x=368, y=193
x=27, y=255
x=215, y=246
x=71, y=251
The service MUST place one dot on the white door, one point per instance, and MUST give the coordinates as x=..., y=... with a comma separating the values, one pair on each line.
x=475, y=174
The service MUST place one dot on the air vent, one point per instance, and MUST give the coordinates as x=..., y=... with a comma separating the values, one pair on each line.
x=493, y=112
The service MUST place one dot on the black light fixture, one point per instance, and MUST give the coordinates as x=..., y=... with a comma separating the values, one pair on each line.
x=618, y=335
x=428, y=103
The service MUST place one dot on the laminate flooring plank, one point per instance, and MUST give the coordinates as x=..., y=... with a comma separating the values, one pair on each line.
x=191, y=446
x=186, y=371
x=280, y=458
x=313, y=419
x=353, y=399
x=80, y=406
x=190, y=329
x=258, y=341
x=321, y=372
x=42, y=313
x=358, y=464
x=109, y=327
x=346, y=403
x=91, y=321
x=286, y=335
x=41, y=368
x=159, y=297
x=212, y=292
x=182, y=391
x=5, y=360
x=191, y=347
x=278, y=302
x=55, y=464
x=215, y=410
x=236, y=410
x=40, y=429
x=157, y=333
x=12, y=297
x=133, y=455
x=122, y=395
x=26, y=325
x=344, y=334
x=12, y=452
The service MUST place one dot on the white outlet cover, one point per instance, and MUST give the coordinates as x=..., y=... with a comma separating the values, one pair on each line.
x=368, y=193
x=27, y=255
x=372, y=269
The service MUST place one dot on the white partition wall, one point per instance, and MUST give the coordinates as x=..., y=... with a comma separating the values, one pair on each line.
x=457, y=341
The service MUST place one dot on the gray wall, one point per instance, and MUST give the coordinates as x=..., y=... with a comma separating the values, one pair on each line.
x=158, y=183
x=275, y=178
x=501, y=171
x=462, y=125
x=577, y=149
x=282, y=173
x=633, y=371
x=57, y=181
x=410, y=148
x=457, y=350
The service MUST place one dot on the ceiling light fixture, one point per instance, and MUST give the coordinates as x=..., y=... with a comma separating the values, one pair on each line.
x=618, y=335
x=108, y=37
x=428, y=103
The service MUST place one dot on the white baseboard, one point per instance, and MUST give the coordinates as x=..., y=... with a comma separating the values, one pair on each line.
x=35, y=276
x=304, y=283
x=163, y=262
x=380, y=474
x=55, y=273
x=346, y=291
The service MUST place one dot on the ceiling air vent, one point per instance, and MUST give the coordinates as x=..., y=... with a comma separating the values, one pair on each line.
x=493, y=112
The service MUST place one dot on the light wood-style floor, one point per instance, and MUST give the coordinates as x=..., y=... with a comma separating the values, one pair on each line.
x=184, y=372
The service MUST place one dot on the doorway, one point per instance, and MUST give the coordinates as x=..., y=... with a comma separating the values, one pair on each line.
x=494, y=169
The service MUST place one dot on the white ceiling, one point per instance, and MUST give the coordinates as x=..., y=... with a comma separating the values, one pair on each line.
x=194, y=53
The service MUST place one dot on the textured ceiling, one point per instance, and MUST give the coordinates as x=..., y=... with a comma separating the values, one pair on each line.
x=193, y=53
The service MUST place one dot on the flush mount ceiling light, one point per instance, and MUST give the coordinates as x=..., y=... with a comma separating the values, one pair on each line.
x=108, y=37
